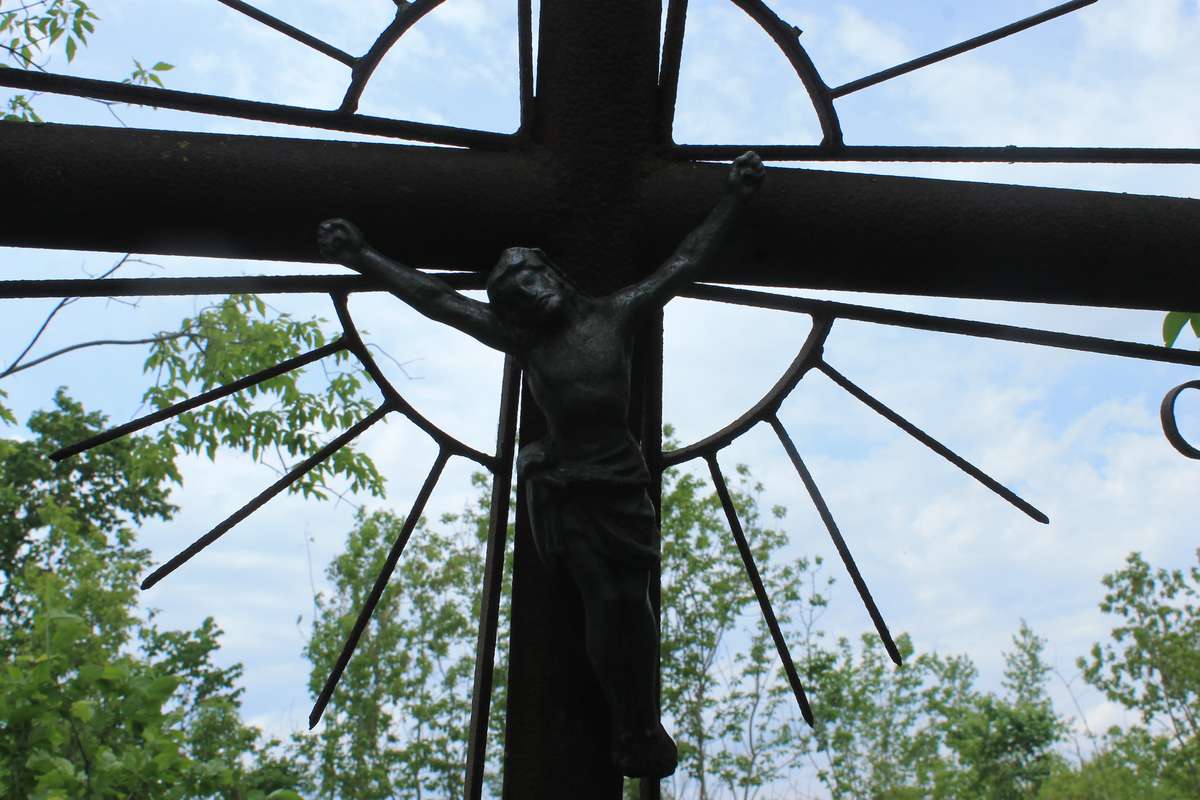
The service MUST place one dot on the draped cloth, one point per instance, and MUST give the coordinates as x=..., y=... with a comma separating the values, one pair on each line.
x=600, y=497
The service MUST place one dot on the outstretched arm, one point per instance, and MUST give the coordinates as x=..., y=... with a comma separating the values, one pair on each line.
x=343, y=242
x=695, y=253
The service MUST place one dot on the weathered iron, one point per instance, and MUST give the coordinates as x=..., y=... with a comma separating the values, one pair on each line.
x=592, y=174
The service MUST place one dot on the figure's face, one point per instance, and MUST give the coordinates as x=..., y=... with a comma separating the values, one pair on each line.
x=532, y=293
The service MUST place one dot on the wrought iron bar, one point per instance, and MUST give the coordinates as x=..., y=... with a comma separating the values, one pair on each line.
x=1169, y=424
x=309, y=464
x=787, y=37
x=760, y=591
x=394, y=399
x=381, y=581
x=929, y=322
x=1006, y=154
x=112, y=91
x=961, y=47
x=407, y=15
x=525, y=63
x=224, y=284
x=809, y=356
x=201, y=399
x=289, y=30
x=672, y=58
x=493, y=578
x=838, y=541
x=932, y=444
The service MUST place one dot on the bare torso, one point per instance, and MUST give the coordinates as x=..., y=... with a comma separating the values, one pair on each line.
x=579, y=375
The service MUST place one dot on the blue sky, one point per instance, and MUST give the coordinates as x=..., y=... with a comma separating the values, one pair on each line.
x=956, y=567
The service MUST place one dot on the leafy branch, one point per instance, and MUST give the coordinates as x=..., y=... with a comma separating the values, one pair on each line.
x=32, y=33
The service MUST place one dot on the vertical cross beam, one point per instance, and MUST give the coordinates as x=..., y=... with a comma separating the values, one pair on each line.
x=594, y=120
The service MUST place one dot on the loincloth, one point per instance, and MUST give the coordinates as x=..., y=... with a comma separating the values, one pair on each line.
x=601, y=500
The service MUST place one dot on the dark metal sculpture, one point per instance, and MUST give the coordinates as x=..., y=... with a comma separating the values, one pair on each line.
x=595, y=145
x=587, y=480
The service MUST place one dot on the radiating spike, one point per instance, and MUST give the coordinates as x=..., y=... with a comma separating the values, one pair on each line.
x=827, y=516
x=961, y=47
x=199, y=400
x=364, y=615
x=933, y=444
x=760, y=591
x=258, y=502
x=293, y=32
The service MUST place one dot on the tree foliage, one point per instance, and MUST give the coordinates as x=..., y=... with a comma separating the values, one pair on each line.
x=396, y=727
x=32, y=32
x=1173, y=324
x=95, y=700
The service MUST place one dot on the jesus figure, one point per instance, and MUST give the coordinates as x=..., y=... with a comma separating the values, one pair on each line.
x=586, y=480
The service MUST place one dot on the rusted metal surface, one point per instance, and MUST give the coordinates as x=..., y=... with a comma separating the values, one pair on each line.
x=260, y=197
x=813, y=229
x=493, y=578
x=874, y=233
x=592, y=175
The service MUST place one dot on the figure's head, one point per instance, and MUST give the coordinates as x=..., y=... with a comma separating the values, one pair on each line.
x=525, y=287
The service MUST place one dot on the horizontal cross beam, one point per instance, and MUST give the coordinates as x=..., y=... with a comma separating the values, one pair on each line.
x=875, y=233
x=261, y=198
x=250, y=197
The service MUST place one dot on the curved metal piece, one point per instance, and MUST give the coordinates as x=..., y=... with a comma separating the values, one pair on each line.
x=787, y=37
x=808, y=357
x=1171, y=427
x=393, y=397
x=407, y=15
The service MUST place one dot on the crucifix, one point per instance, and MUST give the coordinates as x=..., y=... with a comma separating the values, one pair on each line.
x=594, y=179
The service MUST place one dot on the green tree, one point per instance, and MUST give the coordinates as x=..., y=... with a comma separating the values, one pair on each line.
x=880, y=728
x=1173, y=324
x=396, y=727
x=1151, y=666
x=1004, y=745
x=723, y=695
x=96, y=701
x=33, y=32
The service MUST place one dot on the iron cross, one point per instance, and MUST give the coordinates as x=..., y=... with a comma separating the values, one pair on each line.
x=594, y=177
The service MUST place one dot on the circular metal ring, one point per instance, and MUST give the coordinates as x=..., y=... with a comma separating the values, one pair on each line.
x=1170, y=427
